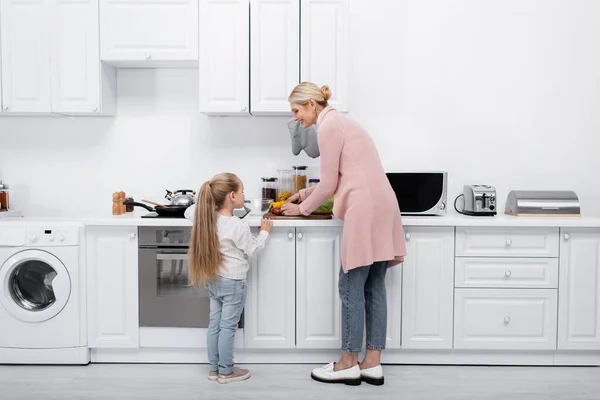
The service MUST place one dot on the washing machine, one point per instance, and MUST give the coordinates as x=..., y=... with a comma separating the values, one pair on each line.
x=42, y=307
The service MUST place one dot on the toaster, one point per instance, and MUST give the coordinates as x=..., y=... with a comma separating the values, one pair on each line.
x=479, y=200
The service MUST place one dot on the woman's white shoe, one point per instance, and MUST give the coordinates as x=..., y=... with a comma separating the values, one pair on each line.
x=349, y=376
x=373, y=375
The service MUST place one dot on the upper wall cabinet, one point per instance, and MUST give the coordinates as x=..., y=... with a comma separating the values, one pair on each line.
x=325, y=47
x=275, y=54
x=50, y=59
x=290, y=41
x=224, y=57
x=149, y=33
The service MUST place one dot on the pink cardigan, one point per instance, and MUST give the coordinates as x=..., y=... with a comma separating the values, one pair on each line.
x=363, y=197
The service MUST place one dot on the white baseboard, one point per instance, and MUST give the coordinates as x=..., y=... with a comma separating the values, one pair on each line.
x=64, y=356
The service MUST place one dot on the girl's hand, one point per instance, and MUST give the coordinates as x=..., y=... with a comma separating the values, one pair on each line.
x=294, y=199
x=266, y=224
x=290, y=209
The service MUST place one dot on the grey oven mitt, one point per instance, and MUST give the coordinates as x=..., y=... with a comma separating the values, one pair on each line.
x=304, y=139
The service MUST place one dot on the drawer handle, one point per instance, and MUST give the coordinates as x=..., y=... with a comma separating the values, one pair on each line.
x=507, y=273
x=567, y=236
x=507, y=320
x=407, y=236
x=508, y=242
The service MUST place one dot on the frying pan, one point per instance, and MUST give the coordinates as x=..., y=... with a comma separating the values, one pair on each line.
x=172, y=211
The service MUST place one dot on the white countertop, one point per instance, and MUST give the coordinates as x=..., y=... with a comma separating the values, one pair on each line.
x=451, y=219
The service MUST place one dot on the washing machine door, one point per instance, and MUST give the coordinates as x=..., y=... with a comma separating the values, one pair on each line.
x=35, y=285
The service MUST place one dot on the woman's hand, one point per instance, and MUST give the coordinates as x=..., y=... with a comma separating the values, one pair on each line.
x=294, y=199
x=290, y=209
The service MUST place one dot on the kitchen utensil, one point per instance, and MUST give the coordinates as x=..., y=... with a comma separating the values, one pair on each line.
x=173, y=211
x=480, y=200
x=152, y=202
x=182, y=197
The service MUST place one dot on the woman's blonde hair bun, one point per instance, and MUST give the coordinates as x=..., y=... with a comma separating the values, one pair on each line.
x=326, y=92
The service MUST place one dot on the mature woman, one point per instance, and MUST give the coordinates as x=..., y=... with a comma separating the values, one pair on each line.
x=373, y=237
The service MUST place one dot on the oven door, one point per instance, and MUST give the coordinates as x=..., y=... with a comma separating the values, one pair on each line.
x=166, y=297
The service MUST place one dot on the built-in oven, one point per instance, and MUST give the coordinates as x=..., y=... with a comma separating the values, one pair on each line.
x=166, y=297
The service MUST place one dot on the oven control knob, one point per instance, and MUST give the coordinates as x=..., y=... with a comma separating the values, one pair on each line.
x=51, y=238
x=443, y=206
x=33, y=239
x=61, y=238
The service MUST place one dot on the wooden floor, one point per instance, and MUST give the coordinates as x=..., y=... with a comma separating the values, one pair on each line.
x=179, y=382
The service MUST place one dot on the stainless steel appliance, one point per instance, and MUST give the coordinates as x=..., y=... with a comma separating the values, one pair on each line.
x=166, y=298
x=480, y=200
x=563, y=203
x=420, y=193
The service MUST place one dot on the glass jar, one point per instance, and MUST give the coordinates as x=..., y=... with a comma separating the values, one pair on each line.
x=269, y=188
x=299, y=178
x=313, y=182
x=3, y=197
x=285, y=182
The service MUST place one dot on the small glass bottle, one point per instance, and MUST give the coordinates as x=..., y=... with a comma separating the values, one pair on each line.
x=299, y=178
x=3, y=197
x=269, y=188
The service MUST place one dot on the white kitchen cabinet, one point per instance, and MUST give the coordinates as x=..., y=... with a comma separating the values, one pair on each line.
x=275, y=54
x=225, y=57
x=325, y=47
x=270, y=311
x=579, y=289
x=318, y=264
x=25, y=50
x=505, y=319
x=81, y=84
x=393, y=291
x=112, y=287
x=149, y=33
x=428, y=288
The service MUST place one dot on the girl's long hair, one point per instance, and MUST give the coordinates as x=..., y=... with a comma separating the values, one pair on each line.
x=204, y=255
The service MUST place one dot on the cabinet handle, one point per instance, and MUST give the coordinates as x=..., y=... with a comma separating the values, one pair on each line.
x=132, y=236
x=508, y=242
x=148, y=56
x=5, y=108
x=507, y=273
x=300, y=236
x=507, y=320
x=95, y=109
x=290, y=235
x=567, y=236
x=244, y=108
x=407, y=236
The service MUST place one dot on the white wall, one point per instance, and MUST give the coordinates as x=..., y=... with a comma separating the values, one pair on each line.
x=497, y=92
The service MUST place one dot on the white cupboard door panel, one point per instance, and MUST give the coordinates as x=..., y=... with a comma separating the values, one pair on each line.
x=506, y=242
x=393, y=291
x=151, y=30
x=505, y=319
x=225, y=57
x=75, y=57
x=25, y=46
x=579, y=289
x=325, y=47
x=428, y=288
x=269, y=315
x=113, y=304
x=275, y=58
x=318, y=302
x=506, y=272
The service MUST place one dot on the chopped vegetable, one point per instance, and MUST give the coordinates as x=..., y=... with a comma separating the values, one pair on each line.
x=277, y=204
x=326, y=206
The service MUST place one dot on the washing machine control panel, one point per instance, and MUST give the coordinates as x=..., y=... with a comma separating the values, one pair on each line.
x=49, y=236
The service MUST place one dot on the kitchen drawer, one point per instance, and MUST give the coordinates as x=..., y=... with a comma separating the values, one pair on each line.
x=506, y=272
x=506, y=242
x=505, y=319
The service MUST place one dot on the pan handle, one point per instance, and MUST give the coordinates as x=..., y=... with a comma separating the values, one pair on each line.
x=135, y=203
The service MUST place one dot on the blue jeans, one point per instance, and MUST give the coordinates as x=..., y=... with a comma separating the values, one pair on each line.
x=362, y=291
x=227, y=299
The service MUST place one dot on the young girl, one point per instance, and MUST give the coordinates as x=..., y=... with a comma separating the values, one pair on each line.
x=218, y=259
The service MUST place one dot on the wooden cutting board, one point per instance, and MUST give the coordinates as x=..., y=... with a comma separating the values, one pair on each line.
x=300, y=217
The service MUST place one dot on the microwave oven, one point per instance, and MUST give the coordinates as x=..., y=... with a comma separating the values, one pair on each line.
x=420, y=193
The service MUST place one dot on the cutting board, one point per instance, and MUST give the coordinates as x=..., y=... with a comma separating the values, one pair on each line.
x=313, y=216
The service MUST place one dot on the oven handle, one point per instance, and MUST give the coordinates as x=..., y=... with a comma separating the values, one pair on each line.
x=171, y=256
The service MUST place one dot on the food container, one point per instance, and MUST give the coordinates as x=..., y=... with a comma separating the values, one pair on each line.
x=269, y=188
x=313, y=182
x=260, y=206
x=299, y=179
x=286, y=183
